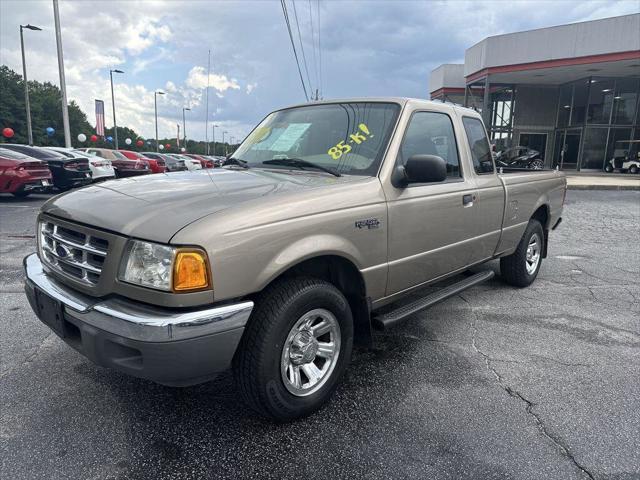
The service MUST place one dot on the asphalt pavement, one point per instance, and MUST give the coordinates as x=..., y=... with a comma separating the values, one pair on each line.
x=497, y=383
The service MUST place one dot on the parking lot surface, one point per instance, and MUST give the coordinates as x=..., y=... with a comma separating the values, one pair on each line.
x=542, y=382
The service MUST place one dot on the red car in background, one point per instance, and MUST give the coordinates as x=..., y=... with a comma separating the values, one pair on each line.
x=206, y=162
x=22, y=175
x=157, y=165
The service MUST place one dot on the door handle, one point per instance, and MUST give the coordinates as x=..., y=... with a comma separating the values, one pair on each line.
x=467, y=200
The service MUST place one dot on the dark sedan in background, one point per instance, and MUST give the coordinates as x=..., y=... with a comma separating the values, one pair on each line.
x=66, y=172
x=520, y=157
x=22, y=175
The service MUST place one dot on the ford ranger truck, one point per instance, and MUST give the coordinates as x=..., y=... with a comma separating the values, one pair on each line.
x=324, y=218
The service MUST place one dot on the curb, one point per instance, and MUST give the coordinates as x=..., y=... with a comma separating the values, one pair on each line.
x=605, y=187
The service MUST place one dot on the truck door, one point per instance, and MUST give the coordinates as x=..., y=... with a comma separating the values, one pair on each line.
x=431, y=225
x=489, y=204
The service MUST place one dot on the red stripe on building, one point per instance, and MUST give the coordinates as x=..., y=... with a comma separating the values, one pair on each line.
x=562, y=62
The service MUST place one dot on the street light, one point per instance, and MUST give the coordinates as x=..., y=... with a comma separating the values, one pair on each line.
x=26, y=84
x=225, y=145
x=113, y=105
x=155, y=104
x=184, y=127
x=213, y=131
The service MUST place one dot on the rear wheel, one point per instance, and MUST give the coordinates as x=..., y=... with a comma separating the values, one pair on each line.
x=522, y=266
x=633, y=169
x=295, y=348
x=608, y=168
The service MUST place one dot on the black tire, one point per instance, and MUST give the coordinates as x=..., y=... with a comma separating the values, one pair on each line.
x=514, y=267
x=21, y=194
x=257, y=362
x=608, y=168
x=633, y=169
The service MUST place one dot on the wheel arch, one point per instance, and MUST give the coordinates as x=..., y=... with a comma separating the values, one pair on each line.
x=343, y=273
x=543, y=215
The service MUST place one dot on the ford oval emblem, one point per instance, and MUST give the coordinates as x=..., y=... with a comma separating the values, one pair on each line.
x=62, y=251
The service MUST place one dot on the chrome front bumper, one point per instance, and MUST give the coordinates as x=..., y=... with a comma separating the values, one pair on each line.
x=133, y=320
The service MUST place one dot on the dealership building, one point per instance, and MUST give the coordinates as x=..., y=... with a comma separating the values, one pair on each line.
x=572, y=92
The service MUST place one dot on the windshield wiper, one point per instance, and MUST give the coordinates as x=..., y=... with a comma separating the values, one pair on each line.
x=300, y=163
x=236, y=161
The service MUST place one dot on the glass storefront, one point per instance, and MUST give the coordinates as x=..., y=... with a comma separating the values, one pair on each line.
x=601, y=113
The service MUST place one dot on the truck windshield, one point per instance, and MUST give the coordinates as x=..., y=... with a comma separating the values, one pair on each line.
x=349, y=138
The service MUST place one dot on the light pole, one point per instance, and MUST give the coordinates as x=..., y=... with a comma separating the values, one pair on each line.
x=63, y=82
x=155, y=105
x=113, y=106
x=26, y=84
x=213, y=133
x=184, y=126
x=225, y=145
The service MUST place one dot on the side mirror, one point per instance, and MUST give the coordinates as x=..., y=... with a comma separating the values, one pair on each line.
x=420, y=169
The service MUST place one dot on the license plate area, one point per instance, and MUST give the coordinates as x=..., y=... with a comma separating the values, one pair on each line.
x=50, y=311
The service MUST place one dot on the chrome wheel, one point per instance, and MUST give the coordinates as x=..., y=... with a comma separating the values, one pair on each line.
x=533, y=254
x=310, y=352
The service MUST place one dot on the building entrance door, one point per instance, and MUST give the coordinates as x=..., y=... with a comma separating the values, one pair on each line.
x=534, y=141
x=566, y=149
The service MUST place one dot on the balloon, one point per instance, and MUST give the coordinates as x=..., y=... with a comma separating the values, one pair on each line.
x=161, y=147
x=127, y=141
x=140, y=143
x=94, y=138
x=183, y=149
x=7, y=132
x=109, y=139
x=50, y=131
x=168, y=146
x=82, y=137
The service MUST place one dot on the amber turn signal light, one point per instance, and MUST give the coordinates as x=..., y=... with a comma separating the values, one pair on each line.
x=190, y=271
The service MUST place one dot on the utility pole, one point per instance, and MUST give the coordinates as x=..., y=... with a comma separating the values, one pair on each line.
x=206, y=116
x=155, y=104
x=213, y=133
x=26, y=83
x=184, y=127
x=63, y=84
x=225, y=145
x=113, y=106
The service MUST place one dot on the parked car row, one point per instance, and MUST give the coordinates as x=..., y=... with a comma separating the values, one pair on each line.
x=25, y=169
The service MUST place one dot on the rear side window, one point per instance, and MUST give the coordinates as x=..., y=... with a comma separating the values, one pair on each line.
x=479, y=145
x=431, y=133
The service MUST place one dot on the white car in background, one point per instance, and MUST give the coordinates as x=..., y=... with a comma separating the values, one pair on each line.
x=101, y=168
x=190, y=163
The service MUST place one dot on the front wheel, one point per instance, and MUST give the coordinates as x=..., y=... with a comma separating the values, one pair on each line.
x=633, y=169
x=295, y=348
x=608, y=168
x=522, y=266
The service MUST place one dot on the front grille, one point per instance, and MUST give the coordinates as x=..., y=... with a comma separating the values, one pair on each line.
x=73, y=252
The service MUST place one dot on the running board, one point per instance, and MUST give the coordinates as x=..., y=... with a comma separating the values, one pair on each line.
x=394, y=317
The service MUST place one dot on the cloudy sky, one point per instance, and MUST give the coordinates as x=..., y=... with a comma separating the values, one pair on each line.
x=367, y=48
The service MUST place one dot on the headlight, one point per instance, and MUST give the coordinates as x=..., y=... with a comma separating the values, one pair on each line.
x=164, y=268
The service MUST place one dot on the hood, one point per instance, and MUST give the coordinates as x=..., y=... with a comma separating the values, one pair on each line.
x=155, y=207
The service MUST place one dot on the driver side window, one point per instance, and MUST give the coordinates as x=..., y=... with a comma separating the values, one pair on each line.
x=431, y=133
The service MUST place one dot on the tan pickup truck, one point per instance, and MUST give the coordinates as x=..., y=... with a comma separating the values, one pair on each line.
x=277, y=263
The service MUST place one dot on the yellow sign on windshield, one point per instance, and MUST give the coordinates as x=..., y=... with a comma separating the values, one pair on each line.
x=342, y=148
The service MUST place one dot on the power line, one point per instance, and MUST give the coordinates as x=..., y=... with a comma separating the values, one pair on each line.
x=293, y=45
x=304, y=58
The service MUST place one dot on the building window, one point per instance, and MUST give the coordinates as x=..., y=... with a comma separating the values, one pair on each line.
x=625, y=100
x=579, y=106
x=564, y=106
x=600, y=101
x=593, y=150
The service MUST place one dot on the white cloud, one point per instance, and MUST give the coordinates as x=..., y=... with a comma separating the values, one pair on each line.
x=251, y=87
x=197, y=78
